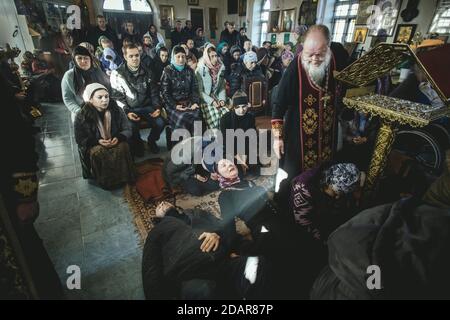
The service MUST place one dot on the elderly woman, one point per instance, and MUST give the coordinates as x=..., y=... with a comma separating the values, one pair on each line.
x=179, y=91
x=322, y=197
x=76, y=79
x=211, y=82
x=101, y=132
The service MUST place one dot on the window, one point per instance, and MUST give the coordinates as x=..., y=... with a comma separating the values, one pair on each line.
x=344, y=19
x=265, y=19
x=441, y=20
x=136, y=5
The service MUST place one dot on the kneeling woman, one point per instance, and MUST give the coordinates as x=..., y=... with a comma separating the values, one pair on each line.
x=101, y=132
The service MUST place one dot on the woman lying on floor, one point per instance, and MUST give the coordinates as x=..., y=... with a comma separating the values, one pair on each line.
x=101, y=132
x=186, y=256
x=181, y=171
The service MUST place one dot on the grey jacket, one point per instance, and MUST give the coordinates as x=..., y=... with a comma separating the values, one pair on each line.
x=72, y=101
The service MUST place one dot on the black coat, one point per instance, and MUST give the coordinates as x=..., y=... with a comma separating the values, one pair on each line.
x=95, y=33
x=172, y=254
x=409, y=242
x=240, y=76
x=178, y=37
x=141, y=84
x=179, y=86
x=87, y=134
x=230, y=38
x=157, y=67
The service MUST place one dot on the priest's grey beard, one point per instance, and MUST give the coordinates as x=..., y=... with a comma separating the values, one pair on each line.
x=317, y=74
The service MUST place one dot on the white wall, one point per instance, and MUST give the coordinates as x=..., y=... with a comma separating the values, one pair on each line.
x=9, y=22
x=426, y=9
x=423, y=20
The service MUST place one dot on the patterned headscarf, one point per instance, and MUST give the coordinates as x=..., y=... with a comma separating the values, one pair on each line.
x=213, y=69
x=342, y=177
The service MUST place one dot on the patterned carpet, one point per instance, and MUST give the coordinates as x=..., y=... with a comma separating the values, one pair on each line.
x=144, y=213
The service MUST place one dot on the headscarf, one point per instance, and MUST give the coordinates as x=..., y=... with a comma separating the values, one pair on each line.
x=177, y=49
x=112, y=63
x=250, y=57
x=220, y=47
x=343, y=177
x=84, y=77
x=104, y=127
x=287, y=55
x=213, y=69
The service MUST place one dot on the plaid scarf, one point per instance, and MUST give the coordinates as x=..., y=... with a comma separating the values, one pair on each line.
x=226, y=183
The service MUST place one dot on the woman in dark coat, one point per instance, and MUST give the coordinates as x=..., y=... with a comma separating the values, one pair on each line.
x=180, y=92
x=101, y=132
x=160, y=62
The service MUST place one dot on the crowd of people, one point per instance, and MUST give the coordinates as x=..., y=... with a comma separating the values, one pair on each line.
x=115, y=84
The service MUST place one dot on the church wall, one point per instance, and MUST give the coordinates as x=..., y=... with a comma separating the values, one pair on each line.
x=10, y=22
x=423, y=20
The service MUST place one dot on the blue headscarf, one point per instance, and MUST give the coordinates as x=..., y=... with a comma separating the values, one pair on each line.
x=177, y=49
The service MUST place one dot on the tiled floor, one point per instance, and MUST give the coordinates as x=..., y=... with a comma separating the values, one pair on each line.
x=82, y=224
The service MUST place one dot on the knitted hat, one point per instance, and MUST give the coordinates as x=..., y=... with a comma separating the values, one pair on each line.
x=91, y=89
x=101, y=38
x=239, y=98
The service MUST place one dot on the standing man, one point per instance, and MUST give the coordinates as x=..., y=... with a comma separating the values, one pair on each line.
x=102, y=29
x=304, y=114
x=178, y=35
x=189, y=30
x=229, y=35
x=136, y=91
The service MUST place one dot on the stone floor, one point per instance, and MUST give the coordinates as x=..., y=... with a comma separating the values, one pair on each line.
x=82, y=224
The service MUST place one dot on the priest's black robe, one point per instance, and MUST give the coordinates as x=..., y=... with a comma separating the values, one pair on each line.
x=309, y=125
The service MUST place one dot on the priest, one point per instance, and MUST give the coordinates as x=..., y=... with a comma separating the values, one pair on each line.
x=304, y=114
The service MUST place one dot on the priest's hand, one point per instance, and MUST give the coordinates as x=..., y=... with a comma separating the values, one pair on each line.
x=278, y=147
x=210, y=241
x=105, y=143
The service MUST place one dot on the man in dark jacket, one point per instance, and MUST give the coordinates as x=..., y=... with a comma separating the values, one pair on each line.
x=137, y=93
x=189, y=30
x=229, y=35
x=185, y=259
x=178, y=35
x=102, y=29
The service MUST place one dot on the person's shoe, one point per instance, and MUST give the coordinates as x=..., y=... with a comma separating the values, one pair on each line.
x=153, y=147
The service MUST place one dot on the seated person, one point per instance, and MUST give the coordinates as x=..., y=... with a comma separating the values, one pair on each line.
x=103, y=43
x=159, y=63
x=110, y=61
x=43, y=82
x=359, y=135
x=148, y=46
x=179, y=90
x=211, y=82
x=239, y=118
x=136, y=91
x=101, y=132
x=408, y=240
x=322, y=197
x=186, y=258
x=243, y=75
x=76, y=79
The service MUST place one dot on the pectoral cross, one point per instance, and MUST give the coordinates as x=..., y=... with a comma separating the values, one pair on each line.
x=325, y=100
